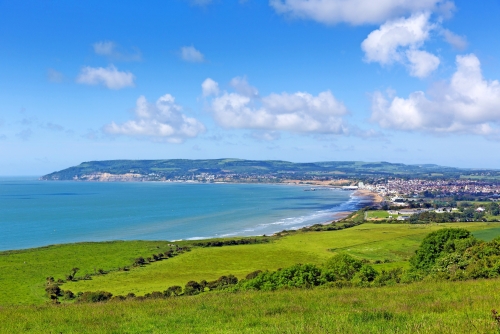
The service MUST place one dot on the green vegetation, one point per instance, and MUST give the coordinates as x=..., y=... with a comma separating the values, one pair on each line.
x=423, y=307
x=377, y=214
x=179, y=168
x=367, y=255
x=23, y=273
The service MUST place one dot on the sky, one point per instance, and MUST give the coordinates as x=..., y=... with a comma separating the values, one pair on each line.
x=298, y=80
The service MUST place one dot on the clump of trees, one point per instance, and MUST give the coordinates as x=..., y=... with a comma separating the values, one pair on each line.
x=334, y=226
x=467, y=215
x=232, y=242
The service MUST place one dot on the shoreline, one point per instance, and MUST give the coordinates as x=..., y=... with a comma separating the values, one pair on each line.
x=356, y=201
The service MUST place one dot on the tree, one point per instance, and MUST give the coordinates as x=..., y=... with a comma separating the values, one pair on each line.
x=434, y=245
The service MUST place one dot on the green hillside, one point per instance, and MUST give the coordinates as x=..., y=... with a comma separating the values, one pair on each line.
x=183, y=168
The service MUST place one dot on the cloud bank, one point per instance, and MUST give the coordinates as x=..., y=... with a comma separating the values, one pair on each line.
x=161, y=121
x=298, y=112
x=466, y=104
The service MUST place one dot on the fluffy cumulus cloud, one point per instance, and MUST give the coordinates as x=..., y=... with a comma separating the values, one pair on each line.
x=190, y=54
x=357, y=11
x=298, y=112
x=110, y=77
x=161, y=121
x=210, y=87
x=400, y=41
x=466, y=104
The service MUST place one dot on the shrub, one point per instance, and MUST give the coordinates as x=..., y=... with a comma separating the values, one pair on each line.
x=434, y=245
x=94, y=297
x=173, y=291
x=53, y=290
x=192, y=288
x=341, y=267
x=253, y=274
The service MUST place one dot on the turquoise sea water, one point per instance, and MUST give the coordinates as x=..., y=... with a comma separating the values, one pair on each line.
x=36, y=213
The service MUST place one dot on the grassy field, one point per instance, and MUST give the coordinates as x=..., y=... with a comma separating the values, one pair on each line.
x=424, y=307
x=377, y=214
x=370, y=241
x=23, y=273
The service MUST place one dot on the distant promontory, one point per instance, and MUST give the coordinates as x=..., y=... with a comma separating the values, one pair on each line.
x=238, y=170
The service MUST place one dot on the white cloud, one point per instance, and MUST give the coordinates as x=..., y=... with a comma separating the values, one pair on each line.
x=382, y=45
x=109, y=77
x=210, y=87
x=298, y=112
x=111, y=50
x=399, y=41
x=421, y=63
x=357, y=11
x=466, y=104
x=458, y=42
x=241, y=86
x=162, y=121
x=190, y=54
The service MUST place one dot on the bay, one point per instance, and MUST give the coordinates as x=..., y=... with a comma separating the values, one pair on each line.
x=36, y=213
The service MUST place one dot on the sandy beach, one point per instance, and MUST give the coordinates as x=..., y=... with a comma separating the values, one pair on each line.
x=375, y=197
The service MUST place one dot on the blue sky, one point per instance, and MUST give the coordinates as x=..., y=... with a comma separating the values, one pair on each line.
x=297, y=80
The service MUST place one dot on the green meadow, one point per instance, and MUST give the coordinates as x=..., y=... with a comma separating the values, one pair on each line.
x=23, y=273
x=423, y=307
x=377, y=214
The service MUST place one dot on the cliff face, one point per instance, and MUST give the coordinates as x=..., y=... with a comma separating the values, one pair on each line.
x=107, y=177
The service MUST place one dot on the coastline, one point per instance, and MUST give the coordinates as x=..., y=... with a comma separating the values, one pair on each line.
x=329, y=210
x=375, y=197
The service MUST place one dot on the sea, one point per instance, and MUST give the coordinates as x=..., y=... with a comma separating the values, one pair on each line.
x=37, y=213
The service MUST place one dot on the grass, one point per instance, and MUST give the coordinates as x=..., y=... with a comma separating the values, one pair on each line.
x=487, y=235
x=23, y=273
x=370, y=241
x=377, y=214
x=424, y=307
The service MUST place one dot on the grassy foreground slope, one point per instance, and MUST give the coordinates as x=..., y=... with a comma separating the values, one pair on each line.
x=368, y=241
x=23, y=273
x=424, y=307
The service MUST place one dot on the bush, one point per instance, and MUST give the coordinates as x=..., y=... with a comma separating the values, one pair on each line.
x=434, y=245
x=94, y=297
x=341, y=267
x=173, y=291
x=192, y=288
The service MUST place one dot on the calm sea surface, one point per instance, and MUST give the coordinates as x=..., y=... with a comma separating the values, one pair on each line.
x=36, y=213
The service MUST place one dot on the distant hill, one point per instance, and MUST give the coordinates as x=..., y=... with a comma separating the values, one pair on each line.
x=213, y=169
